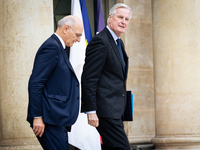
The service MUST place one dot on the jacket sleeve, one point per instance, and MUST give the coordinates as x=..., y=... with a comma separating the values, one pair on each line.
x=45, y=61
x=94, y=62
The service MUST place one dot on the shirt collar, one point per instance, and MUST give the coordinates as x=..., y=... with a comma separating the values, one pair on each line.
x=61, y=40
x=113, y=34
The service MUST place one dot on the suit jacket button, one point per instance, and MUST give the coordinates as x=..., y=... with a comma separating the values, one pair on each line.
x=77, y=85
x=77, y=97
x=123, y=95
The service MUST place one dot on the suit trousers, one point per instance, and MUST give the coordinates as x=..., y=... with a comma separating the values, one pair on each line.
x=54, y=138
x=113, y=134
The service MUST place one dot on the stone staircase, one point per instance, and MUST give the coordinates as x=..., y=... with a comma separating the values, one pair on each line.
x=143, y=147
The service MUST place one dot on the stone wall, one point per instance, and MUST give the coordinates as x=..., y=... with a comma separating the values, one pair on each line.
x=24, y=25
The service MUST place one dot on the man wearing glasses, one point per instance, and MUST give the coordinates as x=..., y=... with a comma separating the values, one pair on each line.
x=54, y=88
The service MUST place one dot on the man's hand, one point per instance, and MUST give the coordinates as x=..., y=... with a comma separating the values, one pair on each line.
x=38, y=126
x=93, y=120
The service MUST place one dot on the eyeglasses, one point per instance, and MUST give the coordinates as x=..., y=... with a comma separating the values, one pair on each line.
x=78, y=35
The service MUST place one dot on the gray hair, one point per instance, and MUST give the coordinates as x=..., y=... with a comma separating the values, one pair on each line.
x=119, y=5
x=69, y=20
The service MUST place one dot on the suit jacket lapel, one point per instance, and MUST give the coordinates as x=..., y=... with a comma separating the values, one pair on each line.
x=125, y=59
x=64, y=53
x=115, y=48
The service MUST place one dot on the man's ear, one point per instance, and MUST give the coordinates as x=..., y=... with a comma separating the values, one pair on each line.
x=66, y=28
x=109, y=17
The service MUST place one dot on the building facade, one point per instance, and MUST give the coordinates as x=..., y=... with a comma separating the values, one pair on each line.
x=163, y=48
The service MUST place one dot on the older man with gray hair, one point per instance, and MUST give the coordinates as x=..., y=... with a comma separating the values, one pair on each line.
x=104, y=80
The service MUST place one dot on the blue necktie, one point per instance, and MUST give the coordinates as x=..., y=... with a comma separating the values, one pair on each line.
x=120, y=51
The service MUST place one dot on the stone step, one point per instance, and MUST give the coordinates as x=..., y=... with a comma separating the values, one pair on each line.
x=143, y=147
x=33, y=144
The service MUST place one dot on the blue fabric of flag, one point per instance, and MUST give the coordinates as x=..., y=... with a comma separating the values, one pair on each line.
x=86, y=23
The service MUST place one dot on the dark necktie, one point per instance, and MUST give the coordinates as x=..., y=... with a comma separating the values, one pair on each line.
x=120, y=51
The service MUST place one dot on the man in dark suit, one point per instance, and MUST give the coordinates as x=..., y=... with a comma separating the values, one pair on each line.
x=54, y=88
x=104, y=80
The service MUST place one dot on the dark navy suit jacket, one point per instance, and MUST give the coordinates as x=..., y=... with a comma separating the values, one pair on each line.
x=104, y=77
x=53, y=86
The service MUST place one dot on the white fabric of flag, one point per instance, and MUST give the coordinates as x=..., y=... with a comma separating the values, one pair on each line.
x=82, y=135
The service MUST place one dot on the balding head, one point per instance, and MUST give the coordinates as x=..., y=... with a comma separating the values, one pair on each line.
x=68, y=20
x=70, y=29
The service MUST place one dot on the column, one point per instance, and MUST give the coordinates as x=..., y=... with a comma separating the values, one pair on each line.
x=176, y=42
x=24, y=25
